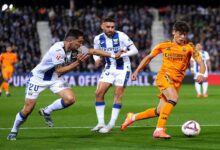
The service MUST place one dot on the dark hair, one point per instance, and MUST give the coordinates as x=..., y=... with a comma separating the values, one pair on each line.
x=108, y=19
x=73, y=33
x=181, y=26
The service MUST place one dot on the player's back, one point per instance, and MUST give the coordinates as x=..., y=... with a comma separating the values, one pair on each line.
x=46, y=68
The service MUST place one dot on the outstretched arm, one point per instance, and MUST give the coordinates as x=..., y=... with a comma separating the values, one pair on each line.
x=141, y=66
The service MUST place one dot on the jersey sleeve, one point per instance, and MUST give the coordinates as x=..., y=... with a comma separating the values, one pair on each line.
x=15, y=58
x=156, y=50
x=96, y=45
x=127, y=42
x=207, y=56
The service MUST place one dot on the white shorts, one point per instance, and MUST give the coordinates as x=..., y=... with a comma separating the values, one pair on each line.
x=115, y=76
x=205, y=75
x=35, y=86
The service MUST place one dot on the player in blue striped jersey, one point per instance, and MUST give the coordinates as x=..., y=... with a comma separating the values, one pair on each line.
x=61, y=58
x=195, y=69
x=116, y=72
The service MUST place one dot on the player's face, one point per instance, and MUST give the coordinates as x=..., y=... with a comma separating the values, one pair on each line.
x=108, y=28
x=199, y=47
x=76, y=43
x=179, y=37
x=9, y=49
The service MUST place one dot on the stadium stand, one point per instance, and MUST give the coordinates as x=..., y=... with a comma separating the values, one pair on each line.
x=204, y=23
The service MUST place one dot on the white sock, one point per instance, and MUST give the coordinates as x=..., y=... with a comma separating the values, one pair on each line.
x=205, y=87
x=56, y=105
x=198, y=88
x=100, y=110
x=115, y=112
x=159, y=129
x=19, y=119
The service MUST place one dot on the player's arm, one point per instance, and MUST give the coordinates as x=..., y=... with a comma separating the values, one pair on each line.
x=102, y=53
x=141, y=66
x=61, y=69
x=209, y=65
x=202, y=69
x=132, y=51
x=156, y=50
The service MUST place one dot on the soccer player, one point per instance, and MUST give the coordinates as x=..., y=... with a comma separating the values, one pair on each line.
x=195, y=69
x=7, y=61
x=48, y=74
x=116, y=72
x=176, y=58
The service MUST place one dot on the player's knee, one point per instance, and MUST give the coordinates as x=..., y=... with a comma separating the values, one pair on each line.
x=99, y=94
x=70, y=99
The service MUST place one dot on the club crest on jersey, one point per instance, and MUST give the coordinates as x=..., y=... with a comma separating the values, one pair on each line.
x=184, y=49
x=115, y=41
x=168, y=48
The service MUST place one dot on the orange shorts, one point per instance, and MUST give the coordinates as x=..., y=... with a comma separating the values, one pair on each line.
x=163, y=81
x=7, y=73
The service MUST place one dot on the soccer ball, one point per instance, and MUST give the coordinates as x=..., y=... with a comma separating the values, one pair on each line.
x=191, y=128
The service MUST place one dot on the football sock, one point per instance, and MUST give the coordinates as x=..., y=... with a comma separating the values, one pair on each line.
x=6, y=88
x=3, y=85
x=100, y=110
x=198, y=88
x=149, y=113
x=165, y=112
x=115, y=112
x=205, y=87
x=56, y=105
x=19, y=119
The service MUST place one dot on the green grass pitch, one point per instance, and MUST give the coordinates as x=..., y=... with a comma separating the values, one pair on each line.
x=72, y=125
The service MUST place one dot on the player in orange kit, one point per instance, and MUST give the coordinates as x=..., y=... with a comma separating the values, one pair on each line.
x=7, y=61
x=176, y=58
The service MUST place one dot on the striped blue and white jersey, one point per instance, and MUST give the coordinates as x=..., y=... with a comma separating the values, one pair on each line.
x=45, y=70
x=205, y=58
x=112, y=45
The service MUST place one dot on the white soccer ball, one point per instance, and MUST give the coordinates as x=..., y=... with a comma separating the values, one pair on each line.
x=191, y=128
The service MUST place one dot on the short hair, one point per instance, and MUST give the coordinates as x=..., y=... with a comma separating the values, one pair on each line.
x=108, y=19
x=73, y=33
x=181, y=26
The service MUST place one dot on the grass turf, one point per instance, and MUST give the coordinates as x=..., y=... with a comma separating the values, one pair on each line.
x=72, y=125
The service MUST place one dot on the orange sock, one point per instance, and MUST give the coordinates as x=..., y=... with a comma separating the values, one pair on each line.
x=6, y=87
x=165, y=112
x=149, y=113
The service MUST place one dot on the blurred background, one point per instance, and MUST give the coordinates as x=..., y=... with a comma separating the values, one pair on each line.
x=31, y=27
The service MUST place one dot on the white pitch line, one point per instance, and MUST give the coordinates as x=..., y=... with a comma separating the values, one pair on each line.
x=41, y=128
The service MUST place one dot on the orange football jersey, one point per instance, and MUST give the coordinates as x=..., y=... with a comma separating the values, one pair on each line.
x=176, y=58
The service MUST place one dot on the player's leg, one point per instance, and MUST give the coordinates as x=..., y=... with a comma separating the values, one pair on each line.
x=102, y=88
x=21, y=118
x=198, y=89
x=148, y=113
x=32, y=92
x=116, y=107
x=205, y=88
x=67, y=98
x=9, y=75
x=171, y=95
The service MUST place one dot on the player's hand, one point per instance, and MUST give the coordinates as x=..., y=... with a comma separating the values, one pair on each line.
x=200, y=78
x=134, y=76
x=82, y=57
x=118, y=54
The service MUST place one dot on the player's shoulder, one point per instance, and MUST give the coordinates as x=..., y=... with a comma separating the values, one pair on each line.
x=120, y=33
x=98, y=36
x=166, y=42
x=191, y=45
x=58, y=46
